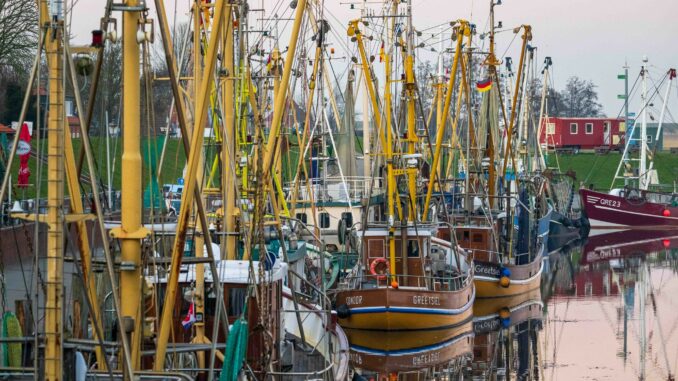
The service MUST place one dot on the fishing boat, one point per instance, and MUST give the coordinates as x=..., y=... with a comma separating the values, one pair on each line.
x=426, y=290
x=496, y=201
x=318, y=331
x=641, y=203
x=406, y=278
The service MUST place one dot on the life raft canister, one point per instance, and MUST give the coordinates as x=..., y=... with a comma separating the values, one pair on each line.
x=373, y=268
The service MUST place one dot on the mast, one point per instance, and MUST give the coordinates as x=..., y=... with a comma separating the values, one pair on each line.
x=367, y=162
x=412, y=139
x=228, y=148
x=492, y=63
x=55, y=192
x=461, y=29
x=390, y=187
x=642, y=170
x=131, y=232
x=626, y=107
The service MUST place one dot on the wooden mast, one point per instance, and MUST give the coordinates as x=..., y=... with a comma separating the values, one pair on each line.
x=55, y=193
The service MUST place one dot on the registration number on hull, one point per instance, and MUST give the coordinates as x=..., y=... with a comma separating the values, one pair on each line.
x=611, y=203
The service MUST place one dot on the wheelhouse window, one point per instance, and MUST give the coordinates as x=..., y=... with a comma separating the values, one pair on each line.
x=324, y=220
x=413, y=248
x=589, y=128
x=573, y=128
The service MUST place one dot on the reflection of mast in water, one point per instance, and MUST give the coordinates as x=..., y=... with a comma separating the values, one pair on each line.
x=627, y=284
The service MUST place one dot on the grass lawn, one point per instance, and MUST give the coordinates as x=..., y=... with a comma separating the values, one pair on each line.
x=589, y=167
x=174, y=162
x=599, y=170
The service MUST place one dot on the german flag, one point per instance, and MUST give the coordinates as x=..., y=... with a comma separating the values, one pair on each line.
x=484, y=86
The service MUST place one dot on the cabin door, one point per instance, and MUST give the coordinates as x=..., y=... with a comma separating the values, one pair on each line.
x=606, y=133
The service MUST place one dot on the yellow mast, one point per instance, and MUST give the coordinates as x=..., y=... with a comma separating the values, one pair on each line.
x=228, y=148
x=192, y=175
x=526, y=37
x=55, y=197
x=281, y=95
x=461, y=29
x=410, y=95
x=200, y=21
x=390, y=181
x=131, y=231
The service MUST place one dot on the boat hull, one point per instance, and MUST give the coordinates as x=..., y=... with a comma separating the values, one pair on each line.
x=390, y=309
x=490, y=287
x=606, y=211
x=522, y=278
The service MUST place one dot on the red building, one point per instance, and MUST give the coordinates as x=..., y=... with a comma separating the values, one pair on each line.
x=582, y=133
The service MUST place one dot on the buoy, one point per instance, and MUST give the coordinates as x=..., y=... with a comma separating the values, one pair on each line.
x=381, y=275
x=394, y=284
x=505, y=281
x=666, y=213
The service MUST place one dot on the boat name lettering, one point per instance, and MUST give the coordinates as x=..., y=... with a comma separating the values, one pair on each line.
x=352, y=300
x=486, y=269
x=355, y=358
x=426, y=359
x=612, y=203
x=428, y=300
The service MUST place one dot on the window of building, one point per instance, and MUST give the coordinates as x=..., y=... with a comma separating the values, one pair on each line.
x=573, y=128
x=302, y=217
x=589, y=128
x=324, y=220
x=649, y=139
x=348, y=218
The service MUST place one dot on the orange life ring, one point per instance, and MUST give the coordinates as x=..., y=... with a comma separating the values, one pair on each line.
x=373, y=268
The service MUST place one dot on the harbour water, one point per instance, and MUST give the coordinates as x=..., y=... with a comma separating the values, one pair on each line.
x=606, y=310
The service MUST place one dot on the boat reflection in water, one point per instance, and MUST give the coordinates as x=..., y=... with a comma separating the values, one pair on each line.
x=506, y=337
x=612, y=313
x=410, y=355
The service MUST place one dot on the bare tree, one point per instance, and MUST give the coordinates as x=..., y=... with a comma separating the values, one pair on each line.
x=580, y=98
x=18, y=34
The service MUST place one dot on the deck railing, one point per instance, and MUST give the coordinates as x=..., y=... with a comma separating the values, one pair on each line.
x=429, y=282
x=335, y=188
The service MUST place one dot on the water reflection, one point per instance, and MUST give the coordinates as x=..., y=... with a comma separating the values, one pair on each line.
x=411, y=355
x=606, y=309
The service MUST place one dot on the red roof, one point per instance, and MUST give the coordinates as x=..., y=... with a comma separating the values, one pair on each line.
x=5, y=130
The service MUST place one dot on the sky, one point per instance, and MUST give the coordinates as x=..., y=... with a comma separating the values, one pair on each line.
x=591, y=39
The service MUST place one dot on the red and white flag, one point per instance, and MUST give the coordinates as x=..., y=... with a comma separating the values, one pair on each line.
x=190, y=317
x=24, y=152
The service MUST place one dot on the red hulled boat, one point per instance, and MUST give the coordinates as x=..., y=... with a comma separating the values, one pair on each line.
x=630, y=208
